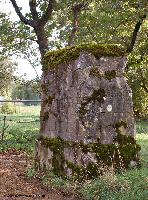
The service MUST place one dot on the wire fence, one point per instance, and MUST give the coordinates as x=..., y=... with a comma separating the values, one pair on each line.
x=19, y=115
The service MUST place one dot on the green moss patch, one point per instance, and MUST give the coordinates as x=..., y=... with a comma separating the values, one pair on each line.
x=117, y=155
x=107, y=75
x=53, y=58
x=46, y=116
x=44, y=88
x=121, y=138
x=57, y=147
x=110, y=74
x=48, y=101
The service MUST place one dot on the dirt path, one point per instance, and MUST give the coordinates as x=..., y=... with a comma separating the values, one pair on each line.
x=14, y=185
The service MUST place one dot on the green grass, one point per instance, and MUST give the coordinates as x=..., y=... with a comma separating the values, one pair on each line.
x=29, y=110
x=130, y=185
x=22, y=129
x=142, y=127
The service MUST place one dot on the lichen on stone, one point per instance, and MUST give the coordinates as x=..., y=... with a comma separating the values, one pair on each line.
x=110, y=74
x=97, y=95
x=94, y=71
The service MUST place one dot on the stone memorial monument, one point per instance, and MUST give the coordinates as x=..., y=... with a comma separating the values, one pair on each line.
x=86, y=117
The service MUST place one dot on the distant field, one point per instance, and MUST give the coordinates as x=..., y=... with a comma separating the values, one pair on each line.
x=29, y=110
x=27, y=117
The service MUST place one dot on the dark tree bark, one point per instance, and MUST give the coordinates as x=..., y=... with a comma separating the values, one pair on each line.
x=32, y=5
x=48, y=13
x=135, y=33
x=41, y=39
x=76, y=12
x=37, y=23
x=20, y=15
x=144, y=82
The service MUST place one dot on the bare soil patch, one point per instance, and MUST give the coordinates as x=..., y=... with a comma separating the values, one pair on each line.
x=15, y=185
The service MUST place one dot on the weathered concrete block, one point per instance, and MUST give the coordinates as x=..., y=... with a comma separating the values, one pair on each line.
x=87, y=105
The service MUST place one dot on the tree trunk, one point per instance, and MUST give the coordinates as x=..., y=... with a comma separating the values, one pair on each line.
x=41, y=40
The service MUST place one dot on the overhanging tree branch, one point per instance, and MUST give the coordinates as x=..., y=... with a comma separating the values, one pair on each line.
x=20, y=15
x=135, y=33
x=143, y=81
x=76, y=11
x=37, y=23
x=32, y=5
x=46, y=16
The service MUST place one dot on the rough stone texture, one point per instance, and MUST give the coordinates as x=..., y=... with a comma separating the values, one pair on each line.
x=82, y=101
x=71, y=85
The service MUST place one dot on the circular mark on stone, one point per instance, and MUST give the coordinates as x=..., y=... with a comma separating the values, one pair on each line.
x=109, y=108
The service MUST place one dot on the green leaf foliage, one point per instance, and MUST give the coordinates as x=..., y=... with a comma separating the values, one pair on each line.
x=101, y=21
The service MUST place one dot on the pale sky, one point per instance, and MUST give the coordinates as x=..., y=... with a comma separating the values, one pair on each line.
x=6, y=6
x=23, y=65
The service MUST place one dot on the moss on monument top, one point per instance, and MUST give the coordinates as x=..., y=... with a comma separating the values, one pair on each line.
x=65, y=55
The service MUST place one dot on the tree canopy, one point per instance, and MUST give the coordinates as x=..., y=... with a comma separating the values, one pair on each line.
x=71, y=22
x=52, y=24
x=7, y=69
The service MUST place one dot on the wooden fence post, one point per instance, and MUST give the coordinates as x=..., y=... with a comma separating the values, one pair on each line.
x=4, y=128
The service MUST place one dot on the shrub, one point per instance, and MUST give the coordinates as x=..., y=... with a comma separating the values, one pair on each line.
x=8, y=108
